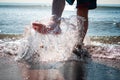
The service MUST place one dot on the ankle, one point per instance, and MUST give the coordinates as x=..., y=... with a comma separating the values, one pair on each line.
x=55, y=19
x=54, y=22
x=79, y=46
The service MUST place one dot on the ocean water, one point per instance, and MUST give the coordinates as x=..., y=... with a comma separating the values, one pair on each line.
x=103, y=21
x=13, y=20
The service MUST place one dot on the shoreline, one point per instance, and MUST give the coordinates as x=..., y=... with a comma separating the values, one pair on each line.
x=106, y=39
x=104, y=52
x=101, y=39
x=104, y=47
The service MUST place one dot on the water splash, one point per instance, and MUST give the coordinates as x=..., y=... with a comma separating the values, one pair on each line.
x=38, y=47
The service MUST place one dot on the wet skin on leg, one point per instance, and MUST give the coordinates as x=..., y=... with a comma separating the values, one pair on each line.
x=53, y=25
x=81, y=11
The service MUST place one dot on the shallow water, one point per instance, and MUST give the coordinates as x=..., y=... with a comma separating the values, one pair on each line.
x=67, y=70
x=103, y=71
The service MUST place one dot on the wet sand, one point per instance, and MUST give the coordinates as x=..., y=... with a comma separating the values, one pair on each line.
x=64, y=70
x=108, y=62
x=9, y=69
x=100, y=61
x=106, y=56
x=104, y=51
x=106, y=39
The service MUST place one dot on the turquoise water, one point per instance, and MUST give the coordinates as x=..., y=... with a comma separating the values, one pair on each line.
x=13, y=18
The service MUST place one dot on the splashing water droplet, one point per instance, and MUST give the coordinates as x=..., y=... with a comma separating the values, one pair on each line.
x=51, y=47
x=47, y=47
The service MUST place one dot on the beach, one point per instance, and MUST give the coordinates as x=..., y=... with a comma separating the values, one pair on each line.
x=102, y=44
x=61, y=70
x=104, y=58
x=97, y=46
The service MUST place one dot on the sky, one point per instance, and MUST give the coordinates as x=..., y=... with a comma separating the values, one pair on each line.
x=48, y=1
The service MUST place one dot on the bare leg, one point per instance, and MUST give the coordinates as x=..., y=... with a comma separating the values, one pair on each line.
x=83, y=11
x=58, y=7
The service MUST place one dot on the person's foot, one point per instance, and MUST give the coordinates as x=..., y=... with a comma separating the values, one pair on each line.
x=52, y=27
x=80, y=52
x=77, y=50
x=44, y=29
x=41, y=28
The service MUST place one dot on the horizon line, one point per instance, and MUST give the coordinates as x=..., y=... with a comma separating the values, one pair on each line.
x=42, y=3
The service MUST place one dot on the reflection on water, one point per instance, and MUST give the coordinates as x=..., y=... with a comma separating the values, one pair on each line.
x=73, y=70
x=68, y=70
x=65, y=70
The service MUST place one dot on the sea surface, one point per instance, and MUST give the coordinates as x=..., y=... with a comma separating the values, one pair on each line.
x=103, y=21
